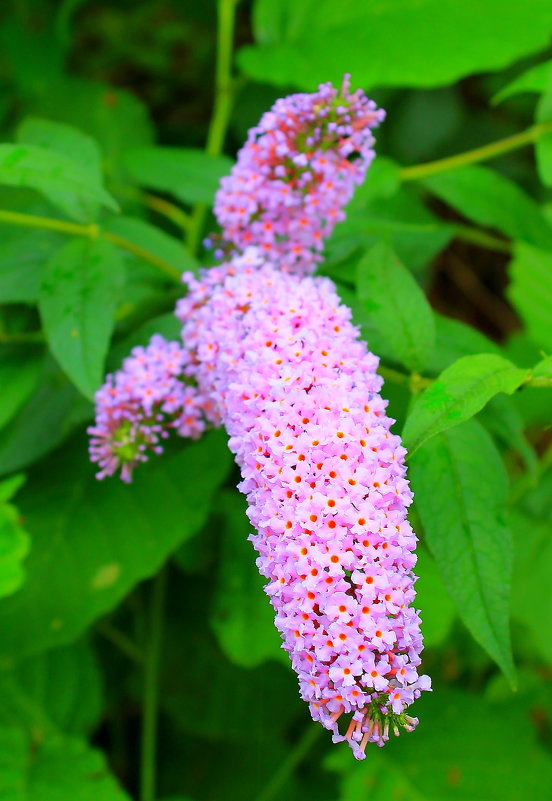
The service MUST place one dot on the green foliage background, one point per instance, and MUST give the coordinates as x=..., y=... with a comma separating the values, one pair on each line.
x=137, y=653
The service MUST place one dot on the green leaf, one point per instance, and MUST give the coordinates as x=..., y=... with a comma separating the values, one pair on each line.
x=63, y=181
x=460, y=486
x=242, y=617
x=14, y=540
x=190, y=175
x=460, y=392
x=437, y=609
x=543, y=369
x=494, y=201
x=502, y=418
x=301, y=44
x=535, y=79
x=531, y=598
x=92, y=541
x=59, y=689
x=19, y=373
x=530, y=291
x=23, y=253
x=543, y=145
x=153, y=239
x=454, y=339
x=77, y=303
x=58, y=769
x=396, y=305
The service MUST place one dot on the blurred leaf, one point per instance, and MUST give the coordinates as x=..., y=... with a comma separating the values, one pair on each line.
x=302, y=43
x=14, y=540
x=58, y=769
x=58, y=689
x=465, y=749
x=454, y=339
x=458, y=393
x=242, y=617
x=460, y=486
x=63, y=139
x=153, y=239
x=190, y=175
x=20, y=369
x=543, y=145
x=492, y=200
x=530, y=291
x=23, y=253
x=502, y=418
x=543, y=369
x=396, y=305
x=535, y=79
x=112, y=116
x=77, y=303
x=93, y=541
x=437, y=610
x=64, y=182
x=43, y=421
x=531, y=598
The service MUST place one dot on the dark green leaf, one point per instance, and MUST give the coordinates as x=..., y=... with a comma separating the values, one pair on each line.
x=530, y=291
x=396, y=306
x=19, y=373
x=535, y=79
x=92, y=541
x=190, y=175
x=23, y=253
x=58, y=769
x=63, y=181
x=14, y=540
x=454, y=339
x=154, y=240
x=494, y=201
x=460, y=392
x=242, y=617
x=77, y=303
x=460, y=486
x=437, y=609
x=502, y=418
x=301, y=44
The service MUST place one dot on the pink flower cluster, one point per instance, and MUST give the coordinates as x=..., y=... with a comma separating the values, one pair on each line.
x=272, y=354
x=295, y=173
x=136, y=408
x=282, y=365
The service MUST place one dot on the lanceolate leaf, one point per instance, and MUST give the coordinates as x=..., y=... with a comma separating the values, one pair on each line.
x=460, y=486
x=77, y=301
x=92, y=541
x=460, y=392
x=61, y=179
x=396, y=306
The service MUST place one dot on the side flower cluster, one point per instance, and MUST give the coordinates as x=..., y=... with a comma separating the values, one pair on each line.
x=281, y=363
x=138, y=406
x=296, y=172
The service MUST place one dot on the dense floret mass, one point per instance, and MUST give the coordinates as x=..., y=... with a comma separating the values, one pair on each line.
x=296, y=172
x=283, y=368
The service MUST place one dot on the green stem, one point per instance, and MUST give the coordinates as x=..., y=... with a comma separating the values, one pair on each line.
x=477, y=237
x=294, y=757
x=224, y=97
x=151, y=688
x=90, y=231
x=417, y=383
x=120, y=641
x=478, y=154
x=169, y=210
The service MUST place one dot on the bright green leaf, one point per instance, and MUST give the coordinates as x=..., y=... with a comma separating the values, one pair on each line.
x=543, y=369
x=535, y=79
x=242, y=617
x=530, y=291
x=14, y=540
x=396, y=306
x=543, y=145
x=77, y=303
x=411, y=42
x=190, y=175
x=63, y=181
x=493, y=201
x=92, y=543
x=461, y=391
x=460, y=486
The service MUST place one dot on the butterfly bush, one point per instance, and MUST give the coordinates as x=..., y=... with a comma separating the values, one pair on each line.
x=296, y=172
x=271, y=353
